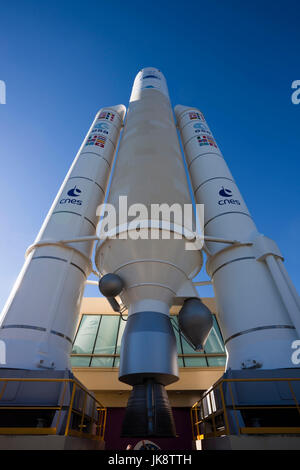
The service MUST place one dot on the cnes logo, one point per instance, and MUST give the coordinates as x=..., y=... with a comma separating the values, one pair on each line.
x=296, y=94
x=227, y=195
x=73, y=193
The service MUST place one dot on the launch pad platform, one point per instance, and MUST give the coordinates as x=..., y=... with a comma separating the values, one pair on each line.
x=249, y=409
x=48, y=409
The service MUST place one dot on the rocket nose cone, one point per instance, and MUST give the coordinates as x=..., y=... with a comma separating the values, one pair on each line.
x=147, y=70
x=149, y=78
x=120, y=109
x=179, y=109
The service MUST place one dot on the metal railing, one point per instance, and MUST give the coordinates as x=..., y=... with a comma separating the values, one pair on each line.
x=78, y=421
x=210, y=417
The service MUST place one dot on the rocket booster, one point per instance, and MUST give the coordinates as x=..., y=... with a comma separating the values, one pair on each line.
x=258, y=305
x=40, y=316
x=149, y=171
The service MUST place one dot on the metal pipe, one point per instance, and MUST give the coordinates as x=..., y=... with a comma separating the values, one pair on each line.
x=288, y=281
x=284, y=291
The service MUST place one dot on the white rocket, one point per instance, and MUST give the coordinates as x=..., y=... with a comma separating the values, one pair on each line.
x=258, y=305
x=149, y=170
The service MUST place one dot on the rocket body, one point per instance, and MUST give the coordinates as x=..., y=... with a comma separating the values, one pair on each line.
x=40, y=316
x=149, y=170
x=154, y=265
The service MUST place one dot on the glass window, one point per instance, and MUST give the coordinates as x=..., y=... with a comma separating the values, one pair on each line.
x=106, y=341
x=214, y=342
x=121, y=331
x=80, y=361
x=117, y=362
x=174, y=321
x=102, y=362
x=216, y=361
x=195, y=361
x=102, y=334
x=85, y=338
x=187, y=348
x=180, y=362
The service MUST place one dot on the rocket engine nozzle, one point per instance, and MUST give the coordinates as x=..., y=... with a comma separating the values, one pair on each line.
x=148, y=412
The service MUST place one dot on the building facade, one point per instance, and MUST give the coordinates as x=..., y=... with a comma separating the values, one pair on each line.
x=95, y=360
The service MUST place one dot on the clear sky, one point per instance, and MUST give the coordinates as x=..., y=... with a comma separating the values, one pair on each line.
x=63, y=60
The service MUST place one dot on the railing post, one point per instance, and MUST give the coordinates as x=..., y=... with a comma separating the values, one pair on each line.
x=70, y=409
x=99, y=421
x=234, y=408
x=3, y=389
x=203, y=416
x=83, y=412
x=224, y=408
x=102, y=428
x=61, y=405
x=93, y=421
x=193, y=430
x=294, y=396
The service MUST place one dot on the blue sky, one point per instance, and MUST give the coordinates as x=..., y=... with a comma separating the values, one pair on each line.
x=63, y=60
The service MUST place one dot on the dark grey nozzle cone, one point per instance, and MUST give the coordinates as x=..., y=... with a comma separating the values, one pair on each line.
x=148, y=412
x=110, y=285
x=195, y=322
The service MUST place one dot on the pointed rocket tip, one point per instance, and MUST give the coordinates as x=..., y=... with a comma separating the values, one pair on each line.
x=149, y=79
x=120, y=109
x=146, y=70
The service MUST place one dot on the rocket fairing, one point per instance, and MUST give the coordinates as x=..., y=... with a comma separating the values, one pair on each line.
x=258, y=312
x=40, y=316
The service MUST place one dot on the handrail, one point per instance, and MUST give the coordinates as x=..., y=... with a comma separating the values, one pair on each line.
x=212, y=412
